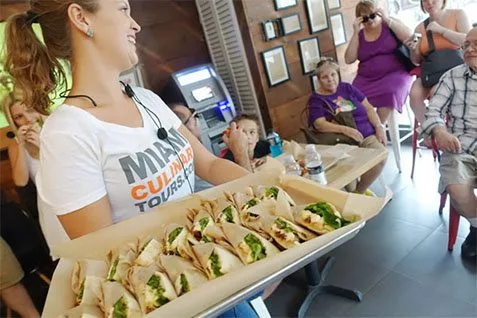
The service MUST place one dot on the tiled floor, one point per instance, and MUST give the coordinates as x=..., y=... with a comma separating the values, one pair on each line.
x=399, y=261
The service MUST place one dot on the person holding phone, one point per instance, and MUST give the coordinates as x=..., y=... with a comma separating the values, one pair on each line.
x=448, y=27
x=381, y=76
x=26, y=124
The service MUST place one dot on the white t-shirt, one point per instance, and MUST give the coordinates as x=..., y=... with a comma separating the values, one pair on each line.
x=33, y=166
x=83, y=159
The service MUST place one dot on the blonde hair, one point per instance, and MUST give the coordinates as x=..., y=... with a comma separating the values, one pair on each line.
x=326, y=62
x=11, y=99
x=33, y=65
x=365, y=7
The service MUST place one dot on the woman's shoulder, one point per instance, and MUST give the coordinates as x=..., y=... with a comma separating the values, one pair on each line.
x=71, y=120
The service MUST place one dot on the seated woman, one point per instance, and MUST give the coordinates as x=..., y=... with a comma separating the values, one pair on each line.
x=374, y=41
x=448, y=27
x=336, y=94
x=254, y=148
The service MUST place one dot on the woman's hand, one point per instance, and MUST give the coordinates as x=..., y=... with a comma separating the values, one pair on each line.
x=435, y=27
x=357, y=24
x=236, y=140
x=353, y=133
x=21, y=134
x=380, y=12
x=411, y=44
x=33, y=137
x=380, y=135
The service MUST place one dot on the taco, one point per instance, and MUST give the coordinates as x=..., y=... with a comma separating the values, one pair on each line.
x=118, y=302
x=321, y=217
x=149, y=250
x=151, y=287
x=285, y=233
x=216, y=260
x=183, y=274
x=249, y=245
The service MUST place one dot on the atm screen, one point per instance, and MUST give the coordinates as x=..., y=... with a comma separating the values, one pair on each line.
x=202, y=93
x=193, y=77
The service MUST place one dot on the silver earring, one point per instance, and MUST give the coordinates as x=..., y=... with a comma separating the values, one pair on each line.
x=90, y=32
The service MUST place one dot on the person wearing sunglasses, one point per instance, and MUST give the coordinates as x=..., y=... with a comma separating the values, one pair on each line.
x=448, y=27
x=381, y=75
x=455, y=99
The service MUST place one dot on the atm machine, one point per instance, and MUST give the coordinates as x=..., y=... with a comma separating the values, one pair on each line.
x=201, y=88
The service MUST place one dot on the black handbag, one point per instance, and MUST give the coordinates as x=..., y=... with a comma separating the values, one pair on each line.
x=330, y=138
x=437, y=62
x=403, y=53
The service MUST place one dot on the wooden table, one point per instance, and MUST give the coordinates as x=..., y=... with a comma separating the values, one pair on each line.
x=354, y=163
x=343, y=164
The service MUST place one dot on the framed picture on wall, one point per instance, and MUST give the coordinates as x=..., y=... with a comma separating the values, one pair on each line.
x=133, y=77
x=334, y=4
x=317, y=17
x=309, y=54
x=284, y=4
x=290, y=24
x=338, y=28
x=275, y=63
x=269, y=31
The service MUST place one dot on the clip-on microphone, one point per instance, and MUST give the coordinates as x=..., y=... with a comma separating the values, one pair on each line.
x=161, y=131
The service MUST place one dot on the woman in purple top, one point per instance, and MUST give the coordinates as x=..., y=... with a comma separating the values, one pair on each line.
x=381, y=76
x=341, y=97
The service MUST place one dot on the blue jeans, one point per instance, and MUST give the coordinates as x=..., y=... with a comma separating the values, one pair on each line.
x=242, y=310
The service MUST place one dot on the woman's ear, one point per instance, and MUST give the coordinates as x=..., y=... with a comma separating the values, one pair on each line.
x=79, y=19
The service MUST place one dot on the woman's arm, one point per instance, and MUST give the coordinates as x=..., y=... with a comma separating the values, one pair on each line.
x=210, y=168
x=351, y=54
x=416, y=56
x=18, y=161
x=324, y=126
x=400, y=29
x=89, y=219
x=456, y=37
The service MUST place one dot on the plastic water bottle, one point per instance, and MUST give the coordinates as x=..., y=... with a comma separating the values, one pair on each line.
x=275, y=144
x=291, y=166
x=314, y=165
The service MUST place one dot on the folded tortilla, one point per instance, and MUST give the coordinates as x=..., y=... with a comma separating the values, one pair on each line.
x=249, y=245
x=177, y=242
x=83, y=311
x=86, y=281
x=321, y=217
x=118, y=302
x=201, y=221
x=272, y=192
x=84, y=268
x=151, y=287
x=120, y=260
x=216, y=260
x=182, y=273
x=150, y=248
x=226, y=211
x=285, y=233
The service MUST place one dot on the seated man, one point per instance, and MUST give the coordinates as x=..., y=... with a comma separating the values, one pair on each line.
x=256, y=149
x=456, y=97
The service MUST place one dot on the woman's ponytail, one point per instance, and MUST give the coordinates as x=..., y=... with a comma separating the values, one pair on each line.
x=34, y=70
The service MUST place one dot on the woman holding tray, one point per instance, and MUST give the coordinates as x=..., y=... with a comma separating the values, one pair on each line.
x=334, y=97
x=110, y=152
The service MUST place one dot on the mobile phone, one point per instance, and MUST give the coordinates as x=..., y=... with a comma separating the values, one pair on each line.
x=416, y=37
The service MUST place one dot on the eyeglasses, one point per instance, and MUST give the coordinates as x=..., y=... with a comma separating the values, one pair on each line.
x=468, y=44
x=372, y=16
x=192, y=115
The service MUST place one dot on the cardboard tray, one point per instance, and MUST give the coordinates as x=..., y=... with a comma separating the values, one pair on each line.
x=96, y=245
